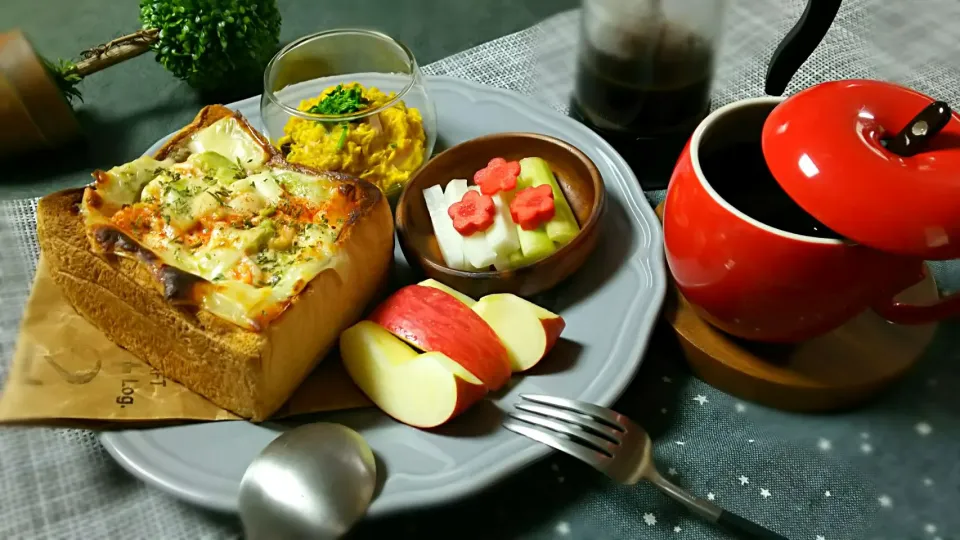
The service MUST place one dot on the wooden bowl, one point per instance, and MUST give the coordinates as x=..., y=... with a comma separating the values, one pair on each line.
x=577, y=176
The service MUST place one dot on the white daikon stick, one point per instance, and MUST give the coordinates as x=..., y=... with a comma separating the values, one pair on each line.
x=450, y=241
x=476, y=250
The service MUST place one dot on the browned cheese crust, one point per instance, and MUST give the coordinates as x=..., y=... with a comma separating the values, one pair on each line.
x=249, y=373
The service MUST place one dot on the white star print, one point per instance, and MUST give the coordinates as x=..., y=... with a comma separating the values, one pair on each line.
x=680, y=443
x=923, y=429
x=701, y=399
x=711, y=496
x=663, y=410
x=667, y=379
x=824, y=444
x=930, y=528
x=928, y=482
x=562, y=528
x=650, y=519
x=671, y=471
x=740, y=407
x=885, y=501
x=827, y=493
x=750, y=441
x=866, y=448
x=821, y=537
x=677, y=529
x=744, y=480
x=764, y=492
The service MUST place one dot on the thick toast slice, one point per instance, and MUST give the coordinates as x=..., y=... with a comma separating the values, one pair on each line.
x=248, y=372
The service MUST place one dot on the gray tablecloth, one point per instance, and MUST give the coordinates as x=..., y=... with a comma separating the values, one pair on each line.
x=886, y=471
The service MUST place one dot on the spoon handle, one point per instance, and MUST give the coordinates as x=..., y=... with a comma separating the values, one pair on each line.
x=712, y=512
x=799, y=44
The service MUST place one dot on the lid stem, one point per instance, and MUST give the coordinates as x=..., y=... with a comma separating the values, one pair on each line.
x=910, y=140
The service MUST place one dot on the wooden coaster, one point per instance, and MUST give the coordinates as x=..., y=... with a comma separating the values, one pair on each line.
x=834, y=371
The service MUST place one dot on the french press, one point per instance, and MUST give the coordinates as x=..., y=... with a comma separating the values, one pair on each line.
x=645, y=69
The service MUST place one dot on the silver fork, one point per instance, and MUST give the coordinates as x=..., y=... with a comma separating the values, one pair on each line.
x=614, y=445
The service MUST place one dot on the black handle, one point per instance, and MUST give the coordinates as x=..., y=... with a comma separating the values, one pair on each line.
x=799, y=43
x=918, y=132
x=745, y=526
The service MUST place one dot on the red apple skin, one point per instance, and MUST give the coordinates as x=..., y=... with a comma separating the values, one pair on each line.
x=467, y=395
x=553, y=324
x=552, y=327
x=432, y=320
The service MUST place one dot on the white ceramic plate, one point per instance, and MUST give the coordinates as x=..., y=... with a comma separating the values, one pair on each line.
x=610, y=307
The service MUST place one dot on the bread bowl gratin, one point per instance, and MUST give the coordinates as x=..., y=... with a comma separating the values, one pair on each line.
x=217, y=262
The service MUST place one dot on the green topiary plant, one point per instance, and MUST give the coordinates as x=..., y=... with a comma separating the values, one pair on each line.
x=210, y=44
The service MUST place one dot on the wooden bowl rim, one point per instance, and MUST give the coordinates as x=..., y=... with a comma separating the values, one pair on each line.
x=599, y=202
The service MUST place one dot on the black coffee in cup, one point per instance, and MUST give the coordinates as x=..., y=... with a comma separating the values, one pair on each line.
x=740, y=176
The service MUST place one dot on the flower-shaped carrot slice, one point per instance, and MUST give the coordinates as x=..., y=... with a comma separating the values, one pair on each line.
x=473, y=213
x=533, y=207
x=498, y=175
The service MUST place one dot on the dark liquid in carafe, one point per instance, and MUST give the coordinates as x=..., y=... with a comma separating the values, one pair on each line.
x=662, y=85
x=739, y=174
x=647, y=102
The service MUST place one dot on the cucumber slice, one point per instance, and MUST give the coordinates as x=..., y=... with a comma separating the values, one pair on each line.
x=450, y=241
x=563, y=227
x=534, y=244
x=476, y=250
x=502, y=263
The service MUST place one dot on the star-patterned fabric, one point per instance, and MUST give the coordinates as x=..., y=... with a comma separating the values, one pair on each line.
x=886, y=471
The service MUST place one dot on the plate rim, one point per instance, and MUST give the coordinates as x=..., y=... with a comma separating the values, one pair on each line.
x=121, y=444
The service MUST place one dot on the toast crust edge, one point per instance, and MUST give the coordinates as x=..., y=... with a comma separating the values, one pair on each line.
x=248, y=373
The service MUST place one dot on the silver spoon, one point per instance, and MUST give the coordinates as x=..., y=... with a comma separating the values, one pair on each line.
x=314, y=481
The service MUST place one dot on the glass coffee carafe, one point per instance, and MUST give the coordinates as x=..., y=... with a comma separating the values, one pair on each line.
x=643, y=79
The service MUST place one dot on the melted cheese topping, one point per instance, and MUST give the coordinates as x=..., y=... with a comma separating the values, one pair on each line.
x=258, y=234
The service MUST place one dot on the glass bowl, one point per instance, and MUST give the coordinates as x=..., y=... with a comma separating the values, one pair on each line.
x=384, y=134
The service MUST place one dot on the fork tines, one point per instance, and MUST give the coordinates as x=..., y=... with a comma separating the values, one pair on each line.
x=583, y=430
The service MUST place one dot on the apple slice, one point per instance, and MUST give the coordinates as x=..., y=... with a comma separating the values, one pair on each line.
x=449, y=290
x=420, y=389
x=527, y=330
x=434, y=321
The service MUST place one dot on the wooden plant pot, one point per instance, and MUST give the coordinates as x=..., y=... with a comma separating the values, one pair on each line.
x=34, y=114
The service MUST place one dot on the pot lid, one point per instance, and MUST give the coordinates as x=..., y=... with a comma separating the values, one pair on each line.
x=842, y=151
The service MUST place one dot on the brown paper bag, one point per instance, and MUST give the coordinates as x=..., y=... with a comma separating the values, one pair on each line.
x=65, y=371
